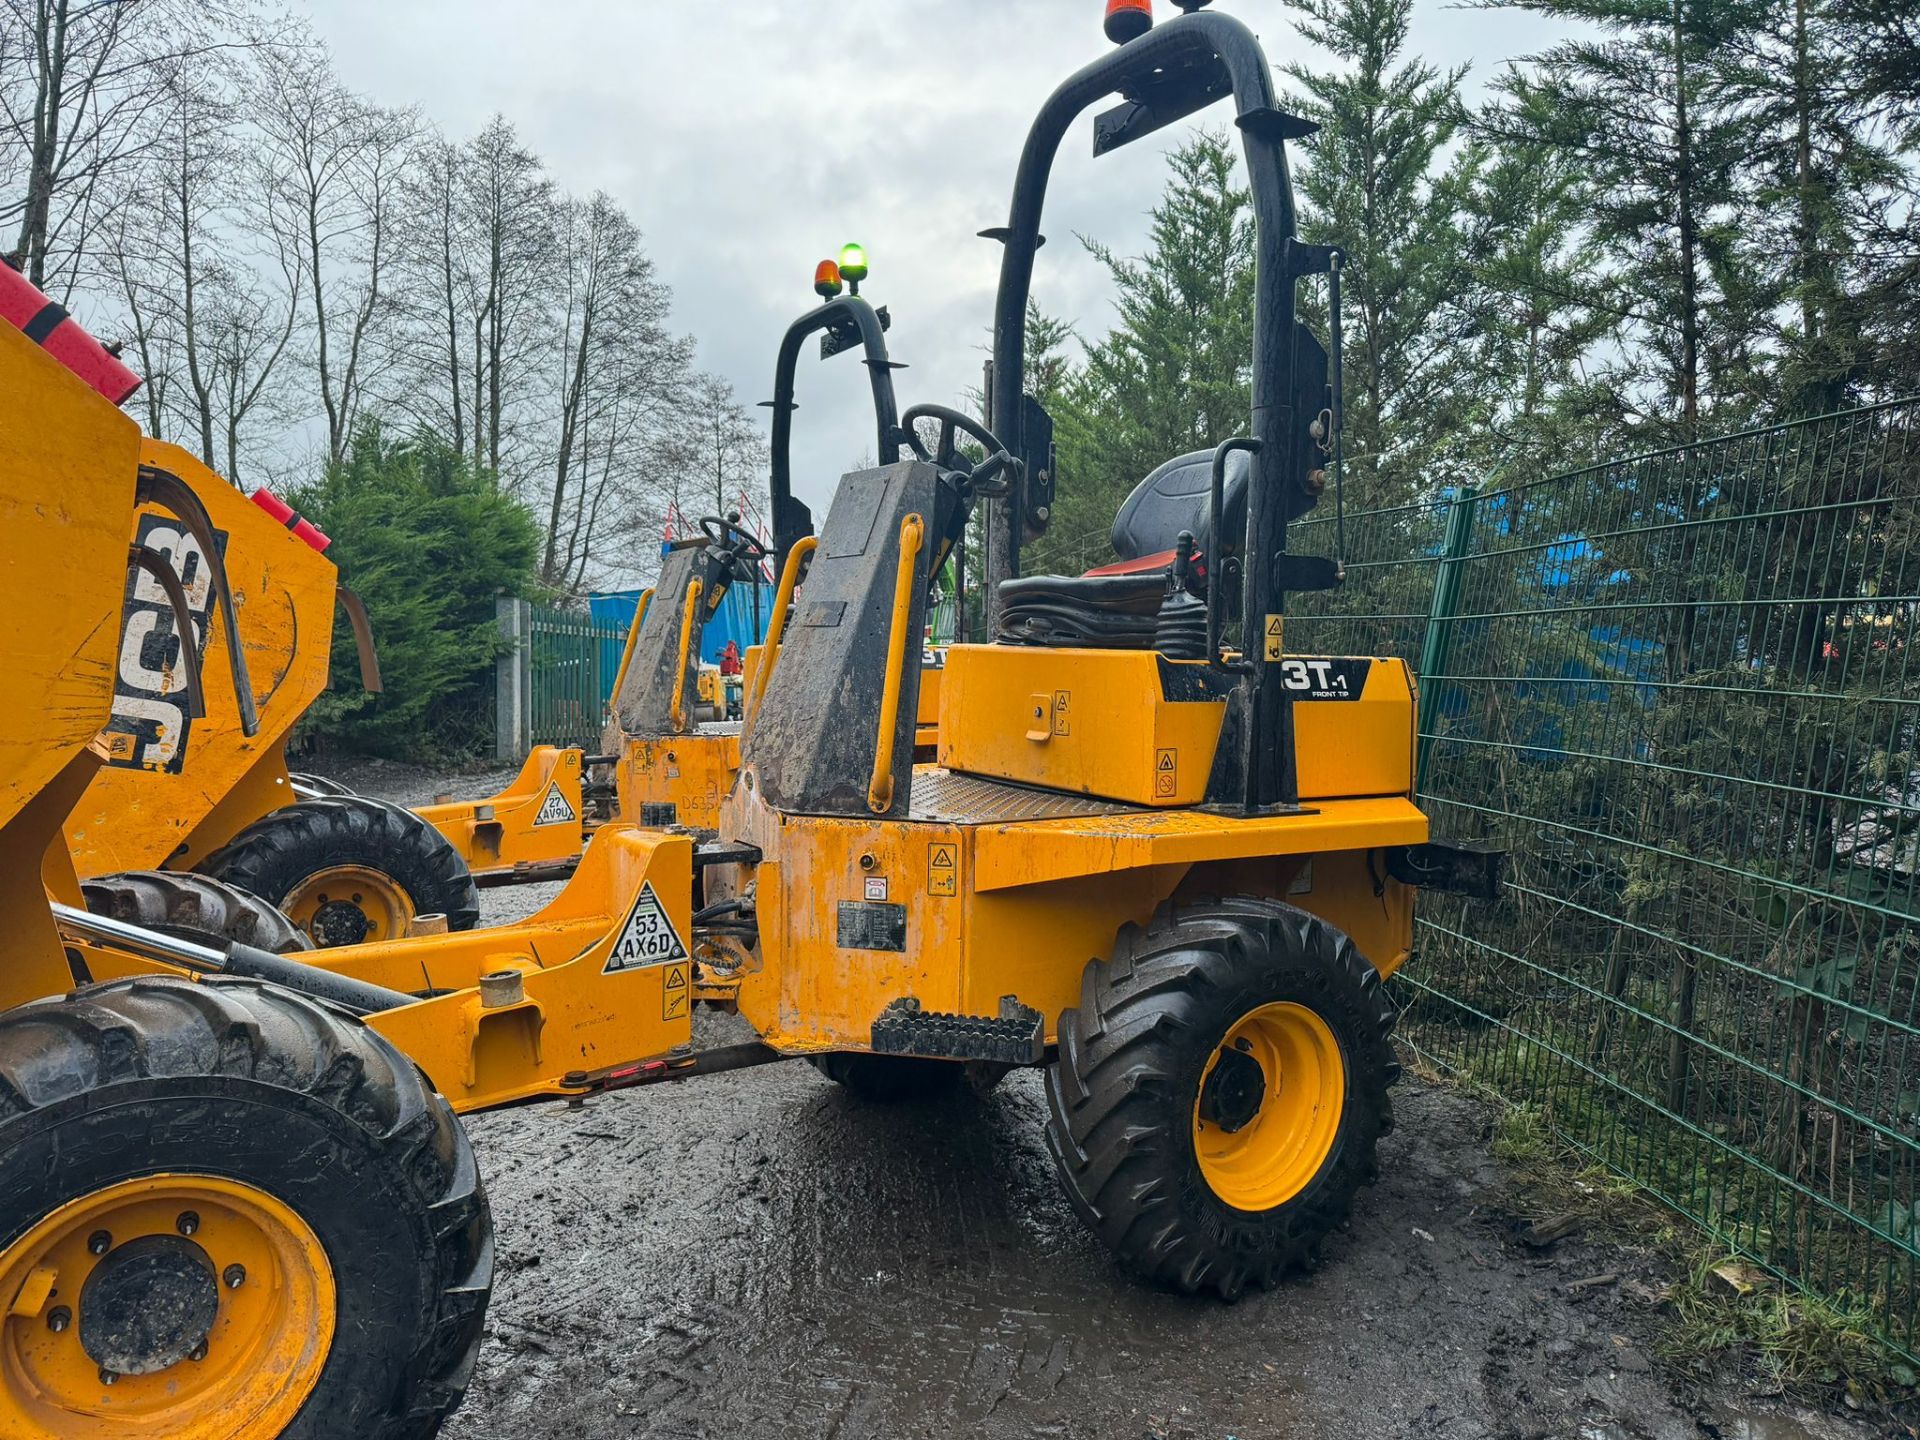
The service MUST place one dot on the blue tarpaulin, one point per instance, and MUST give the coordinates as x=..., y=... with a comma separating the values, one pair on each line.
x=742, y=618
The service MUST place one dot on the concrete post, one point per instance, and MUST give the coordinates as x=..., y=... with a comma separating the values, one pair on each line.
x=513, y=682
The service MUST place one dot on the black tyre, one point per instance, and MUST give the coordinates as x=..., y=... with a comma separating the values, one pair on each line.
x=193, y=907
x=216, y=1182
x=1219, y=1091
x=891, y=1078
x=349, y=870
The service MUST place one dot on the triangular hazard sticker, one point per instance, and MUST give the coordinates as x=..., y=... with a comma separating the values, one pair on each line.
x=648, y=938
x=677, y=978
x=1274, y=623
x=554, y=810
x=1166, y=760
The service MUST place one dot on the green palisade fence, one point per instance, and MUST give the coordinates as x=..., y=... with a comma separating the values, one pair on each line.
x=1680, y=690
x=570, y=671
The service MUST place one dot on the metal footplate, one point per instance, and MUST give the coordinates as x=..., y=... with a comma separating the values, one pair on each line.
x=1015, y=1037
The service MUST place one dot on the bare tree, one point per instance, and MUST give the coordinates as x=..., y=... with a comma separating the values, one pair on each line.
x=619, y=369
x=508, y=207
x=335, y=161
x=79, y=82
x=719, y=450
x=139, y=280
x=434, y=252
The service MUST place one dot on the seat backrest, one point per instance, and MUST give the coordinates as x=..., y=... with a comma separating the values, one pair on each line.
x=1174, y=498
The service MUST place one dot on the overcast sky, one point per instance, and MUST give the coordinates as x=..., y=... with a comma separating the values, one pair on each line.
x=750, y=138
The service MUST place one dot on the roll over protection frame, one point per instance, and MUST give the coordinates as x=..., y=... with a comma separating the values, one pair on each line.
x=844, y=316
x=1170, y=72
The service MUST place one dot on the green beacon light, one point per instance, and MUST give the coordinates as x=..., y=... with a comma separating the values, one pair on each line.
x=853, y=264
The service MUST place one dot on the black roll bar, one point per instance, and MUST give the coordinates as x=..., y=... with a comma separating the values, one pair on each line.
x=1169, y=72
x=845, y=316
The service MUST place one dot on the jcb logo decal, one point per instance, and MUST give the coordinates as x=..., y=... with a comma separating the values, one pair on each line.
x=150, y=689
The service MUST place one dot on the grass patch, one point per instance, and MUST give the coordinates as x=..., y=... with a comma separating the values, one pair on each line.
x=1791, y=1341
x=1719, y=1309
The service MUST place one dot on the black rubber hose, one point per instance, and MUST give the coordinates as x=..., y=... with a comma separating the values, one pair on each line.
x=355, y=995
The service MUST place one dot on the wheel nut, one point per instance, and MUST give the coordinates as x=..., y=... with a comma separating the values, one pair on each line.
x=235, y=1276
x=99, y=1242
x=199, y=1352
x=107, y=1377
x=59, y=1318
x=188, y=1222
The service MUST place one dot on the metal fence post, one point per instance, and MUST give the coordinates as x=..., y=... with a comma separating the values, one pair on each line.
x=513, y=691
x=1440, y=612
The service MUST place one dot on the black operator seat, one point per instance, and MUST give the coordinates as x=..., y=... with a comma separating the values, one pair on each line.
x=1113, y=606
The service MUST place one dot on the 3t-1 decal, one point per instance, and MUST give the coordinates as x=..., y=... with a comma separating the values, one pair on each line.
x=1308, y=679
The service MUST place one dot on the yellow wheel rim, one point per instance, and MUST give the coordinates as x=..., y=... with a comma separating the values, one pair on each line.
x=1257, y=1158
x=349, y=905
x=243, y=1368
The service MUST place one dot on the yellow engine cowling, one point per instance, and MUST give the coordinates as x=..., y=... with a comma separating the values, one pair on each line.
x=1132, y=726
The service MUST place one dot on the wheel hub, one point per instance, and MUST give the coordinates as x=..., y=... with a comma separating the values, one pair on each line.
x=174, y=1304
x=339, y=922
x=1266, y=1114
x=148, y=1304
x=349, y=905
x=1235, y=1089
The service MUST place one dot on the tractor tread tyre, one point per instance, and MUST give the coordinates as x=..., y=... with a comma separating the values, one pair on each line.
x=1120, y=1098
x=193, y=907
x=278, y=851
x=238, y=1079
x=888, y=1079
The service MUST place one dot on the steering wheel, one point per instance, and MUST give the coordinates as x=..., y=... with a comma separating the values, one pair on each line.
x=725, y=534
x=991, y=476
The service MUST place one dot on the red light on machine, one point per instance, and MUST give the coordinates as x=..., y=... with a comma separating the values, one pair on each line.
x=826, y=279
x=284, y=514
x=1128, y=19
x=48, y=325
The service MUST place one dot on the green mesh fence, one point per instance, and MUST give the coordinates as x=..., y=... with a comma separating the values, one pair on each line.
x=1679, y=690
x=570, y=668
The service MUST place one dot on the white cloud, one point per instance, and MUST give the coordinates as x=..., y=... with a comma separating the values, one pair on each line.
x=750, y=138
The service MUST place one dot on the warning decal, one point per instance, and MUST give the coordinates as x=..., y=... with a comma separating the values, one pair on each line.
x=1166, y=773
x=1276, y=637
x=943, y=867
x=554, y=810
x=648, y=938
x=674, y=990
x=1062, y=722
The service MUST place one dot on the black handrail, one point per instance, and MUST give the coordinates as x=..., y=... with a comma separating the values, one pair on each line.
x=792, y=520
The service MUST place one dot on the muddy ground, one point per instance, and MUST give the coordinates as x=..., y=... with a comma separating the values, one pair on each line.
x=761, y=1255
